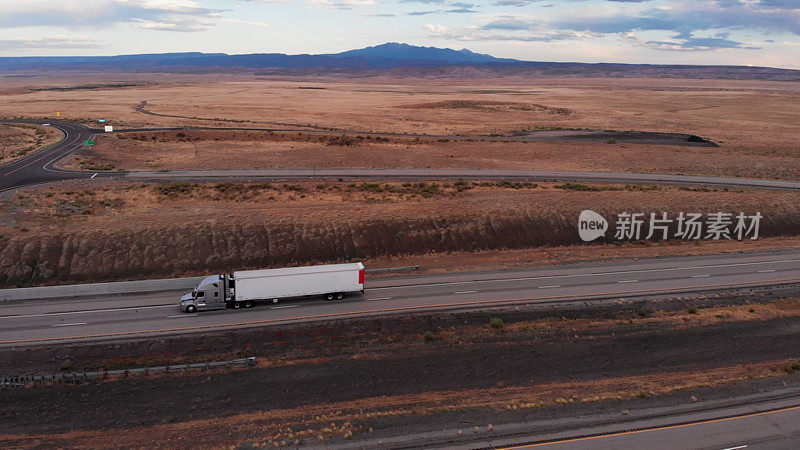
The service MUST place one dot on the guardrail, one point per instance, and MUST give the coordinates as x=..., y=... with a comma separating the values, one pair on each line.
x=89, y=289
x=81, y=377
x=126, y=287
x=394, y=269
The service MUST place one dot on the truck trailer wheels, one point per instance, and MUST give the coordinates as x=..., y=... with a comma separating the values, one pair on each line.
x=334, y=295
x=248, y=304
x=237, y=305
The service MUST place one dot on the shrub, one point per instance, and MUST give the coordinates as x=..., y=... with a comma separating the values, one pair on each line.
x=175, y=189
x=496, y=323
x=642, y=312
x=692, y=310
x=577, y=187
x=429, y=336
x=66, y=365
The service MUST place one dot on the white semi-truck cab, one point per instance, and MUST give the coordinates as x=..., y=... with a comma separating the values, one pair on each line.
x=245, y=288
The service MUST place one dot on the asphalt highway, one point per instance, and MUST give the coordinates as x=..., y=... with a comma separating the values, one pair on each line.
x=244, y=175
x=97, y=318
x=37, y=168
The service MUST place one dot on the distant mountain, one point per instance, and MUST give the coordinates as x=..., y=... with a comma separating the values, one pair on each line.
x=434, y=55
x=398, y=59
x=386, y=56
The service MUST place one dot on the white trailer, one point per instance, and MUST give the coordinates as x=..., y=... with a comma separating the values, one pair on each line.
x=245, y=287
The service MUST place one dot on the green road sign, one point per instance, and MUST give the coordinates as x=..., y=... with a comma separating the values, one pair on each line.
x=88, y=142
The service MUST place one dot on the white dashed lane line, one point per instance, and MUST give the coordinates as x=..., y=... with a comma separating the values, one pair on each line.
x=628, y=281
x=464, y=292
x=69, y=324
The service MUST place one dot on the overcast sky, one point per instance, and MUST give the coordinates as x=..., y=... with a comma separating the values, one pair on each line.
x=742, y=32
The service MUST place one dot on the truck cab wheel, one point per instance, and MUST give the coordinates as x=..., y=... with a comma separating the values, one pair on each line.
x=248, y=304
x=191, y=309
x=339, y=296
x=237, y=305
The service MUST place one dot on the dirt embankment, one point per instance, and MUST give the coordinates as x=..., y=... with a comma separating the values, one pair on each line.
x=140, y=231
x=376, y=377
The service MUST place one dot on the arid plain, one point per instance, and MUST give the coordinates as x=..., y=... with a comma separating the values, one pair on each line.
x=325, y=122
x=419, y=371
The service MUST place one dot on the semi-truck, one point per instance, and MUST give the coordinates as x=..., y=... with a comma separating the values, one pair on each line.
x=245, y=288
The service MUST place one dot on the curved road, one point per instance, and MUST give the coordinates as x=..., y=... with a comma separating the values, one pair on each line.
x=37, y=321
x=38, y=168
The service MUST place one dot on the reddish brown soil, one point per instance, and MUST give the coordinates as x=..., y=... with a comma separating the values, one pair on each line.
x=124, y=231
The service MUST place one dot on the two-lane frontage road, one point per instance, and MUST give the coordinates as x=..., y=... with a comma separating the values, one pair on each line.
x=157, y=313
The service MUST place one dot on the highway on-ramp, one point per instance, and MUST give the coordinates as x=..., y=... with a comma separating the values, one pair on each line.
x=38, y=168
x=150, y=314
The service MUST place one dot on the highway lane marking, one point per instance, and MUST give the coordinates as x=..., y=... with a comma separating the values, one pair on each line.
x=627, y=281
x=465, y=292
x=402, y=309
x=595, y=274
x=181, y=315
x=735, y=448
x=47, y=151
x=550, y=286
x=668, y=427
x=701, y=276
x=285, y=306
x=379, y=298
x=64, y=313
x=70, y=324
x=766, y=271
x=94, y=175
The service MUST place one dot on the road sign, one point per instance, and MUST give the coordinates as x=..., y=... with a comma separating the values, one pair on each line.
x=109, y=128
x=88, y=142
x=102, y=120
x=58, y=114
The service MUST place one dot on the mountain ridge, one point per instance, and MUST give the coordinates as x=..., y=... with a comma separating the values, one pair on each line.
x=390, y=56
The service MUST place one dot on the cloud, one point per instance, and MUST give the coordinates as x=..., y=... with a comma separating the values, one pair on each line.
x=461, y=8
x=341, y=4
x=49, y=42
x=174, y=15
x=480, y=34
x=246, y=22
x=684, y=42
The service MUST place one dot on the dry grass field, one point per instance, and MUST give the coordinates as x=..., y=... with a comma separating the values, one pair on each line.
x=18, y=140
x=755, y=122
x=247, y=149
x=109, y=230
x=104, y=231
